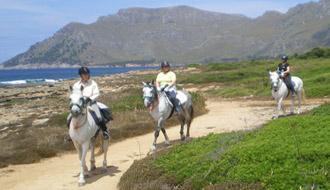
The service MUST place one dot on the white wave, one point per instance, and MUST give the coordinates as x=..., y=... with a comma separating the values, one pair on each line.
x=28, y=81
x=14, y=82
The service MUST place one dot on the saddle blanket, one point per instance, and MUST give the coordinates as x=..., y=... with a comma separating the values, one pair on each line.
x=181, y=97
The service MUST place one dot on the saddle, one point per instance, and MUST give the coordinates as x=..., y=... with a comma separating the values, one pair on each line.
x=105, y=113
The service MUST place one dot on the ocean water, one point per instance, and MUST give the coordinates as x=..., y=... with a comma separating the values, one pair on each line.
x=25, y=76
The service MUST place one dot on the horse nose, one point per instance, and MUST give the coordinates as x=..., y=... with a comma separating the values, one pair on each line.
x=146, y=103
x=74, y=112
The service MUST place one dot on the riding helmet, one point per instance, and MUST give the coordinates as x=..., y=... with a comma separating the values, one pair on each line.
x=164, y=64
x=284, y=57
x=83, y=70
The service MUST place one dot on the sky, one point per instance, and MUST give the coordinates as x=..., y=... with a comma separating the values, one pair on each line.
x=26, y=22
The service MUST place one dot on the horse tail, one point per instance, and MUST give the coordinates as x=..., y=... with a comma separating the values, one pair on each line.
x=192, y=114
x=303, y=96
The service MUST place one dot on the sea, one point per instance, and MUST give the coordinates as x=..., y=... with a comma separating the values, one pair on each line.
x=27, y=76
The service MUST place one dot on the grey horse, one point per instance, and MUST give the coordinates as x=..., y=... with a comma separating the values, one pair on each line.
x=161, y=109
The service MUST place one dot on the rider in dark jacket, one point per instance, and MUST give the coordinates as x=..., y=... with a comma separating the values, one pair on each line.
x=284, y=70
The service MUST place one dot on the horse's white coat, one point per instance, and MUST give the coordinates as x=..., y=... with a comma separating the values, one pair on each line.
x=160, y=110
x=82, y=130
x=280, y=91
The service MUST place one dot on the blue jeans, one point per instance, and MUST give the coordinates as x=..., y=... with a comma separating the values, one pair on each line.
x=174, y=100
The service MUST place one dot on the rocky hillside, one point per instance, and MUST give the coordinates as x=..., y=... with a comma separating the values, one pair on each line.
x=181, y=35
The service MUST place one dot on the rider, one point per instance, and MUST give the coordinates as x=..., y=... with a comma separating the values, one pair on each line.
x=284, y=69
x=167, y=77
x=90, y=91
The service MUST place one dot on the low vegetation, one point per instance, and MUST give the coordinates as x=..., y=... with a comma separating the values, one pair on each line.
x=288, y=153
x=250, y=78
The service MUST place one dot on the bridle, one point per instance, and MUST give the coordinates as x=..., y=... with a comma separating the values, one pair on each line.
x=82, y=111
x=151, y=97
x=276, y=87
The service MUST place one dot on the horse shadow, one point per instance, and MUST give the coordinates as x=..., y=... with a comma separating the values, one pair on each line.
x=161, y=146
x=287, y=115
x=97, y=174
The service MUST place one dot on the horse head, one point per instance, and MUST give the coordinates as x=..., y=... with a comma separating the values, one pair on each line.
x=77, y=104
x=274, y=79
x=149, y=93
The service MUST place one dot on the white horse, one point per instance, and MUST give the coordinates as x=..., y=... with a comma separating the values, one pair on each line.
x=161, y=109
x=82, y=131
x=281, y=91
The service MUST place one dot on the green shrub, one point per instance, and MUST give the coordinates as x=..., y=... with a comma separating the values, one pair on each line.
x=288, y=153
x=322, y=110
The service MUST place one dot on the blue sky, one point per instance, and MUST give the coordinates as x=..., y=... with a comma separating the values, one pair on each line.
x=26, y=22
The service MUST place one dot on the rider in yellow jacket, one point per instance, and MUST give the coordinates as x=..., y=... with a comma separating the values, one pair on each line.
x=168, y=77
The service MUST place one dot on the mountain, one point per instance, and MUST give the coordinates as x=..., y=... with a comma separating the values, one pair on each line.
x=180, y=35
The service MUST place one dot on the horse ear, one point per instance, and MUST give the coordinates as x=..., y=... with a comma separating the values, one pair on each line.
x=71, y=89
x=152, y=82
x=144, y=84
x=270, y=72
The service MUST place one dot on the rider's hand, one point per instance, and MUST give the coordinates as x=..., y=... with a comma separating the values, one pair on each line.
x=159, y=89
x=88, y=99
x=166, y=89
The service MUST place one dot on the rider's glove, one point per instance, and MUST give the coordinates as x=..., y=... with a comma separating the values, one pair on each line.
x=159, y=89
x=166, y=89
x=88, y=100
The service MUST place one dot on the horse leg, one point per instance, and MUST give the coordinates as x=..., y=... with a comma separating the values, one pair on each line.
x=92, y=160
x=292, y=104
x=182, y=121
x=279, y=105
x=105, y=151
x=167, y=142
x=159, y=126
x=83, y=167
x=189, y=119
x=79, y=149
x=299, y=102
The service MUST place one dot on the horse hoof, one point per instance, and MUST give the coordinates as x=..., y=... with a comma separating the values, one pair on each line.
x=81, y=184
x=93, y=168
x=104, y=170
x=183, y=138
x=86, y=176
x=167, y=143
x=153, y=149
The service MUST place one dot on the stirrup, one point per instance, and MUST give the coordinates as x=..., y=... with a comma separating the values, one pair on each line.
x=106, y=135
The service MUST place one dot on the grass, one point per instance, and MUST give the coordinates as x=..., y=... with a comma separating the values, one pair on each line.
x=251, y=77
x=288, y=153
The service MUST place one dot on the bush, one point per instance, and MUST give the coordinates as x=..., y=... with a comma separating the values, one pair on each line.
x=288, y=153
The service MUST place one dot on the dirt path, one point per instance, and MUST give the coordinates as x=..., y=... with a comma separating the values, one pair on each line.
x=62, y=172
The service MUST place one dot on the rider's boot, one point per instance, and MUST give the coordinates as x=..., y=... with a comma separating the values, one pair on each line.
x=103, y=127
x=293, y=93
x=178, y=108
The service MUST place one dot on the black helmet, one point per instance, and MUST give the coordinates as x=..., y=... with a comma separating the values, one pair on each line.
x=164, y=64
x=284, y=57
x=83, y=70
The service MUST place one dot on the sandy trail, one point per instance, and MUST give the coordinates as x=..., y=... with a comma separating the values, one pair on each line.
x=61, y=172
